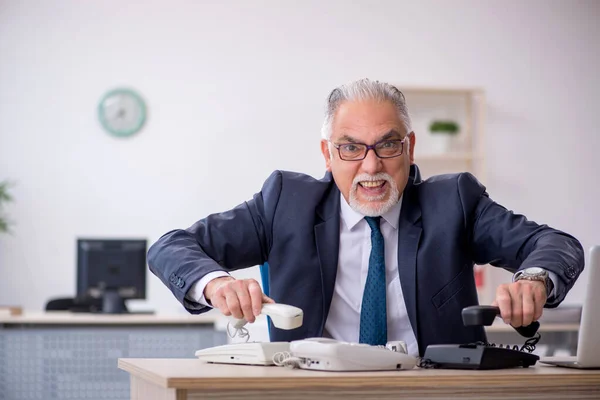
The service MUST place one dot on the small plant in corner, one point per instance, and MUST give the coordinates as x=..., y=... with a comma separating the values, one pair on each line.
x=447, y=127
x=5, y=197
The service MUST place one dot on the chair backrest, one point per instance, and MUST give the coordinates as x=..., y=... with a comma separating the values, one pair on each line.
x=264, y=277
x=74, y=304
x=60, y=304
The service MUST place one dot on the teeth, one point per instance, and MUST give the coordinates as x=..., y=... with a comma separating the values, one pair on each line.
x=371, y=184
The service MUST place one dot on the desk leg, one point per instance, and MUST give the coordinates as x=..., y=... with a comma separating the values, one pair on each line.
x=144, y=390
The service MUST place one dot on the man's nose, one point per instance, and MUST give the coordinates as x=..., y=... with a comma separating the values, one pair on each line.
x=371, y=164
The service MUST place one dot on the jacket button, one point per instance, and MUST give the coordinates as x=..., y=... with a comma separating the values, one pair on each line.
x=571, y=272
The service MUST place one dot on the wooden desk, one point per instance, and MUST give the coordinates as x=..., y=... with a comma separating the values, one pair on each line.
x=185, y=379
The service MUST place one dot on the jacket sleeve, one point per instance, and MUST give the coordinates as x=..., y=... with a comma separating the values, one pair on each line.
x=510, y=241
x=235, y=239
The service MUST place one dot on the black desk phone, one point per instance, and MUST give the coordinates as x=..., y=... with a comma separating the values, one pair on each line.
x=482, y=355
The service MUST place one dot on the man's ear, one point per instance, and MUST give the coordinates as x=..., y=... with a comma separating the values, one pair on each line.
x=413, y=141
x=326, y=154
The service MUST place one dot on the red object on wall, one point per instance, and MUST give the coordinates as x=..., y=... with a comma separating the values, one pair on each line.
x=479, y=278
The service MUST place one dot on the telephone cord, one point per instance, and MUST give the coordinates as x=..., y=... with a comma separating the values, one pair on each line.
x=528, y=346
x=239, y=332
x=286, y=359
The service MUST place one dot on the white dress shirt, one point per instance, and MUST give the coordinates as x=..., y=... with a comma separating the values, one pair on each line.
x=343, y=321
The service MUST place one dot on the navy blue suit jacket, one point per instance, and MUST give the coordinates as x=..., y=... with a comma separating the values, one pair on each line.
x=447, y=224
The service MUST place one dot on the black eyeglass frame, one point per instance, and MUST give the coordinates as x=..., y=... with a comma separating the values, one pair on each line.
x=368, y=147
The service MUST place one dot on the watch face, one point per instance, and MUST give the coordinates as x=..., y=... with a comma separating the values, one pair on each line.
x=122, y=112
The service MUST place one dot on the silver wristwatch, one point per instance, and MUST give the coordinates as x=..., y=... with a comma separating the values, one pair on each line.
x=535, y=274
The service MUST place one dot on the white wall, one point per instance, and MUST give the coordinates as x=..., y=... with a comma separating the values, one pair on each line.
x=251, y=78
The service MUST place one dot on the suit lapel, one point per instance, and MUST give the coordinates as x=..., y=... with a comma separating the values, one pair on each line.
x=409, y=234
x=327, y=237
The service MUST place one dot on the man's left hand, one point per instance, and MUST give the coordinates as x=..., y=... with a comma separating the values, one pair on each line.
x=521, y=302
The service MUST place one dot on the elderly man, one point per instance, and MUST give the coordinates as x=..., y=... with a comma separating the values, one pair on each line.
x=371, y=252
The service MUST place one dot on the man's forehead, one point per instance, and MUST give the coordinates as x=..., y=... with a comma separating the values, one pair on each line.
x=375, y=137
x=369, y=133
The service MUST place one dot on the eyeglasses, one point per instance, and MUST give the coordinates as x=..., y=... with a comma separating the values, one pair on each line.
x=358, y=151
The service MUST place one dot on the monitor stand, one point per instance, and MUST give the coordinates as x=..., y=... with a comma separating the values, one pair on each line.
x=113, y=303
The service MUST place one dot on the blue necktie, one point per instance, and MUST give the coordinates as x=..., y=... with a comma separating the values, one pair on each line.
x=373, y=315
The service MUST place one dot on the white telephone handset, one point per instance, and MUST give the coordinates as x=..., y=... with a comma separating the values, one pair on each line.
x=255, y=353
x=283, y=316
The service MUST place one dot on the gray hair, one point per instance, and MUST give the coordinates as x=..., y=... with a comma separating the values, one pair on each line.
x=364, y=89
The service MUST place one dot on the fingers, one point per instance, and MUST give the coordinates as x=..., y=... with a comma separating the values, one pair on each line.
x=232, y=302
x=256, y=296
x=516, y=298
x=521, y=302
x=244, y=300
x=241, y=298
x=267, y=299
x=215, y=294
x=528, y=308
x=504, y=302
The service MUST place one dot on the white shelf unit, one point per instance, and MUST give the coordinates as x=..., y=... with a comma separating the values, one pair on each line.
x=439, y=153
x=463, y=152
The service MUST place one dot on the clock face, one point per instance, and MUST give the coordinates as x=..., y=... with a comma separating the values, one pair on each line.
x=122, y=112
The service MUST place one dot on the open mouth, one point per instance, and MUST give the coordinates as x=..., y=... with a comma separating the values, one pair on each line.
x=373, y=187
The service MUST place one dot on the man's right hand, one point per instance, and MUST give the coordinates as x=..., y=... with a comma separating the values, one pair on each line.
x=241, y=298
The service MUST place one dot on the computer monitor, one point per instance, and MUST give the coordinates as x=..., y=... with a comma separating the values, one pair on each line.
x=112, y=270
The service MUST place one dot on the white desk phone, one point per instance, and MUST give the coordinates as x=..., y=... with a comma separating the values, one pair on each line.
x=313, y=353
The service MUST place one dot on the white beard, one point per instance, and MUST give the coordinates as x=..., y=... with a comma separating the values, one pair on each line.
x=374, y=210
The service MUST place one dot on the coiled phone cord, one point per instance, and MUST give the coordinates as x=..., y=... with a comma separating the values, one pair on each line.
x=239, y=332
x=529, y=345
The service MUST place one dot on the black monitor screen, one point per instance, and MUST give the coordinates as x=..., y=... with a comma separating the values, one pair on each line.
x=111, y=265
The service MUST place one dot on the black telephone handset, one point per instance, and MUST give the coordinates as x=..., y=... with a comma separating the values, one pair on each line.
x=485, y=315
x=482, y=355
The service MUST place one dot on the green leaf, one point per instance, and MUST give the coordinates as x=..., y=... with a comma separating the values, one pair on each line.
x=5, y=197
x=449, y=127
x=3, y=226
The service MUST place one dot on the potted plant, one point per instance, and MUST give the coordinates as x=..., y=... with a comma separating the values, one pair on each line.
x=5, y=197
x=442, y=132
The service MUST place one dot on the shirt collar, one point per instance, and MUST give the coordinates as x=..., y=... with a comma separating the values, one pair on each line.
x=351, y=217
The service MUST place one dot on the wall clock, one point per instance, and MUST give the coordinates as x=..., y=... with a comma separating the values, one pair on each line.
x=122, y=112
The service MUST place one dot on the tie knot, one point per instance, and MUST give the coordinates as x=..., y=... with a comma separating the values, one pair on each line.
x=373, y=223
